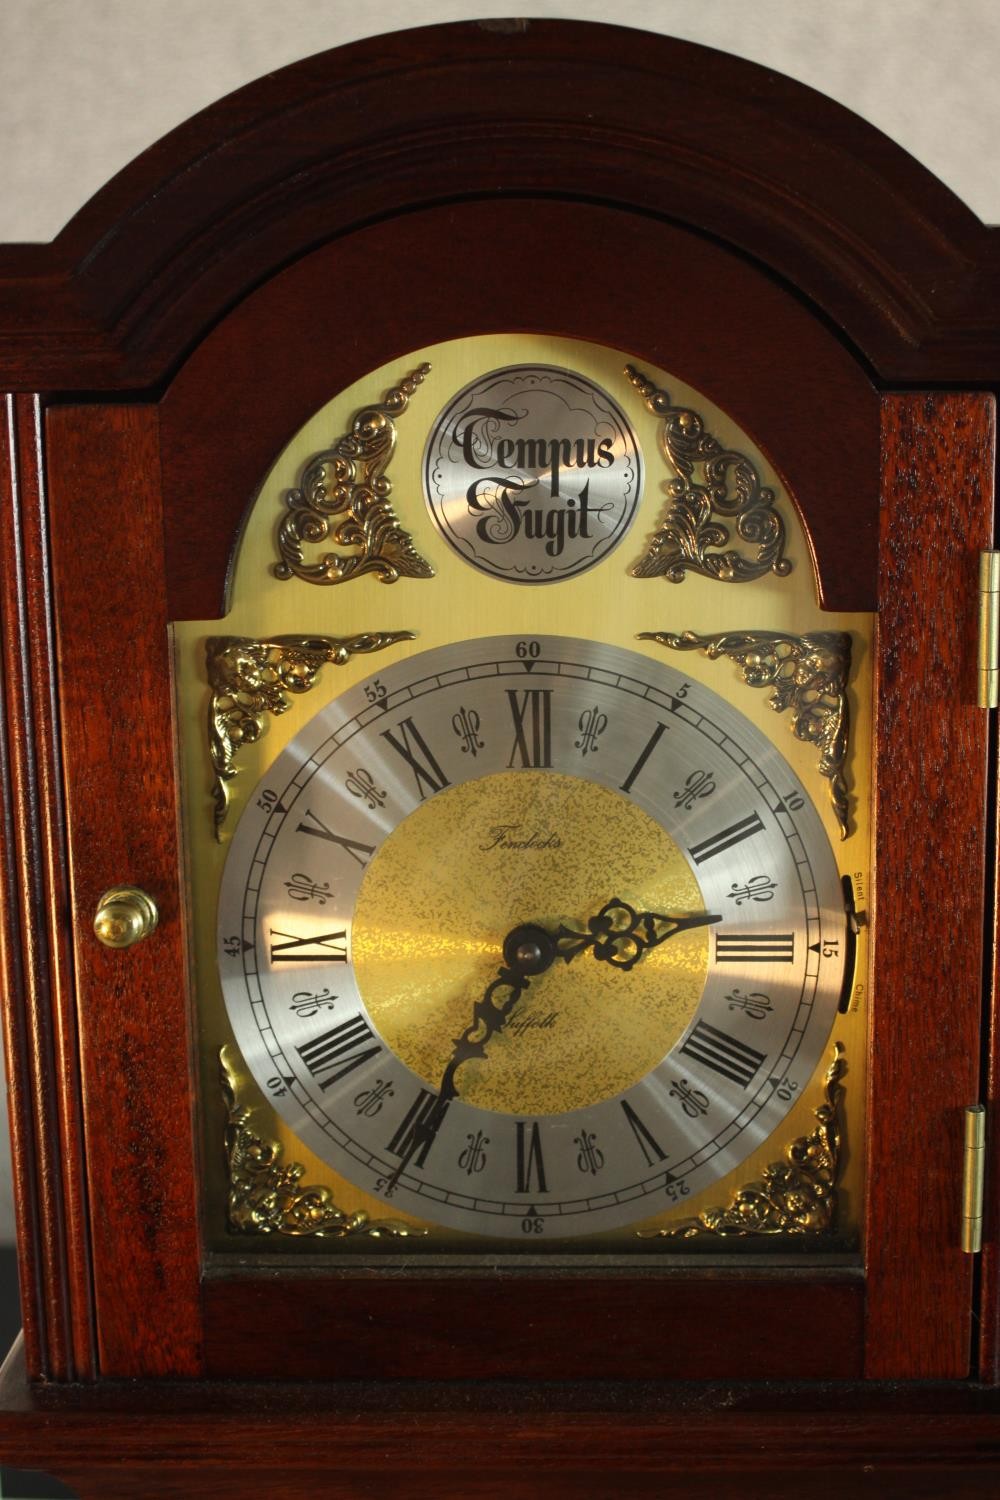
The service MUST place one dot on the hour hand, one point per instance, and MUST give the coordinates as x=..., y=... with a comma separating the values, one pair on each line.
x=620, y=935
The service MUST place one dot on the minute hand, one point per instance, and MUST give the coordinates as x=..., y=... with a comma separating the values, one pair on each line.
x=528, y=950
x=620, y=935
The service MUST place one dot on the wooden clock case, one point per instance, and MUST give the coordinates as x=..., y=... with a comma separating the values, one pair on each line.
x=583, y=181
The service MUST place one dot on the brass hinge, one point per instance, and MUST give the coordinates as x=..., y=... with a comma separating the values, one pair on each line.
x=989, y=630
x=973, y=1177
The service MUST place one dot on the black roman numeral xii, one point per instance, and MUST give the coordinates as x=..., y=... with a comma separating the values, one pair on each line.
x=532, y=714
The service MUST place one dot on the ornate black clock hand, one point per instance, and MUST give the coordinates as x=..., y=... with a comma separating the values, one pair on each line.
x=618, y=935
x=528, y=950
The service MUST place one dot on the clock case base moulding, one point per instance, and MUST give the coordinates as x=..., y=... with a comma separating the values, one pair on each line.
x=130, y=1341
x=579, y=1440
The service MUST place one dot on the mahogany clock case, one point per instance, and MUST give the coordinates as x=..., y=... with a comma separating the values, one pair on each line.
x=832, y=298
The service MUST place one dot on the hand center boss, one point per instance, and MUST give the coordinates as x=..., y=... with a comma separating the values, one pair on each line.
x=618, y=935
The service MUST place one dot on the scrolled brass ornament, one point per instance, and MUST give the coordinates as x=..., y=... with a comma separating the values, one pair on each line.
x=794, y=1196
x=693, y=538
x=344, y=496
x=250, y=679
x=266, y=1195
x=807, y=674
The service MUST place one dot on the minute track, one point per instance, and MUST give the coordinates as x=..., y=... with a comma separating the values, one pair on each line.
x=635, y=695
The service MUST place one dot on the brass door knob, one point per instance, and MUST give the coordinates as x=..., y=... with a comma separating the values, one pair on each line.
x=124, y=916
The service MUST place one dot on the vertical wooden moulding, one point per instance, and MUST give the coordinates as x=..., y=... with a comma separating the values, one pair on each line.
x=121, y=808
x=936, y=514
x=989, y=1355
x=40, y=1031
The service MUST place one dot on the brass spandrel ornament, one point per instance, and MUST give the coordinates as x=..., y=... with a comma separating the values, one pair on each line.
x=808, y=674
x=267, y=1196
x=251, y=679
x=693, y=534
x=344, y=496
x=795, y=1196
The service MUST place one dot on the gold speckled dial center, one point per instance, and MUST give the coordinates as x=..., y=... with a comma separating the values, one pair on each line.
x=483, y=857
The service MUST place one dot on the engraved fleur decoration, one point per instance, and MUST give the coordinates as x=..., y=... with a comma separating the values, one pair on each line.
x=266, y=1195
x=344, y=496
x=807, y=674
x=250, y=679
x=693, y=537
x=795, y=1196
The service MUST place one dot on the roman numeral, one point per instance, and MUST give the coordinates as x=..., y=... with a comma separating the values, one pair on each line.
x=709, y=848
x=650, y=746
x=328, y=947
x=648, y=1144
x=416, y=1119
x=417, y=754
x=351, y=846
x=722, y=1053
x=754, y=947
x=532, y=713
x=530, y=1166
x=334, y=1051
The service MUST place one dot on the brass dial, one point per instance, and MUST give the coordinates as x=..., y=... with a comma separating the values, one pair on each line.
x=360, y=933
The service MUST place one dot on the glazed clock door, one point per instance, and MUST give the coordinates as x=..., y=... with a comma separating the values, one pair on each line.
x=545, y=702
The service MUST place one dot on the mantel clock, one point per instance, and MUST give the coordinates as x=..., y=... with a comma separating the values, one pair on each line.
x=497, y=768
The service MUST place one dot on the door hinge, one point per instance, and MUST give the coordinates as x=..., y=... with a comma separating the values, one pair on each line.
x=989, y=630
x=973, y=1178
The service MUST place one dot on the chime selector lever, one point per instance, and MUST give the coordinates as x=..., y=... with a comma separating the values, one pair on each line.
x=124, y=916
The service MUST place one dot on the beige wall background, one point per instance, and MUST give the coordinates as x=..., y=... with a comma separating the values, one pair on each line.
x=85, y=85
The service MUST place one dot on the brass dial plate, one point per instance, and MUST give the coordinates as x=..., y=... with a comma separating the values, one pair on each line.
x=606, y=603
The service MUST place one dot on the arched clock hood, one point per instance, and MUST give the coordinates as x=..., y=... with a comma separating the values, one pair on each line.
x=541, y=109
